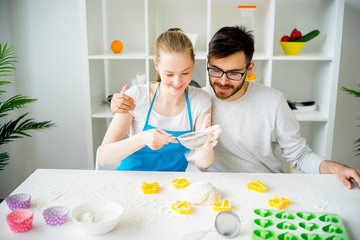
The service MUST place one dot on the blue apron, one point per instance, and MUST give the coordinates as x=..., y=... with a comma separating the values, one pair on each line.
x=170, y=157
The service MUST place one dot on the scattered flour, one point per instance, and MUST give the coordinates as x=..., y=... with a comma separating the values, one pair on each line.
x=141, y=211
x=306, y=194
x=145, y=211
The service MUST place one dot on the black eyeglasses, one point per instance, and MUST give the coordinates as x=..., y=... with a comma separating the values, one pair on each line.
x=235, y=76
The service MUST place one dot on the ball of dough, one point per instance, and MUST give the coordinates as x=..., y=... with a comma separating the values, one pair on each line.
x=201, y=193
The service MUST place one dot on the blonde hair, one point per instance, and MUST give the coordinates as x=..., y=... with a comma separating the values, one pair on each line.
x=173, y=41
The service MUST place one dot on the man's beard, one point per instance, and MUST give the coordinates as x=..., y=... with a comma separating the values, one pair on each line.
x=222, y=95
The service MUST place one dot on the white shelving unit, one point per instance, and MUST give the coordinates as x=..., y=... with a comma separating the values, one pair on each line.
x=311, y=75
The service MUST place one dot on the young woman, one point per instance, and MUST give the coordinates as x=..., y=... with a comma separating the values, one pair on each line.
x=165, y=108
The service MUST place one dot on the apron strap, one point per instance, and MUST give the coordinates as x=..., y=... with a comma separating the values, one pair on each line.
x=151, y=105
x=189, y=110
x=187, y=104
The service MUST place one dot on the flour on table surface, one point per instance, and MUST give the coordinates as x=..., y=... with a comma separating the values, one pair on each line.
x=307, y=194
x=142, y=211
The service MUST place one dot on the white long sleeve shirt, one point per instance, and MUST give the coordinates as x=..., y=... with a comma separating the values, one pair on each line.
x=253, y=126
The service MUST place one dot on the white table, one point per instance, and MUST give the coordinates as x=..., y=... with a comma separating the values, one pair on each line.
x=150, y=216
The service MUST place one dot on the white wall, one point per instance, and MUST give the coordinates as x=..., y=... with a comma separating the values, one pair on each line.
x=46, y=35
x=348, y=107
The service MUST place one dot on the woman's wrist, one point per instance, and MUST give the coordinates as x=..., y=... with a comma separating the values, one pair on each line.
x=140, y=139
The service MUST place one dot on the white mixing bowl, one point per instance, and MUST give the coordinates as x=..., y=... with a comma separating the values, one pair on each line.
x=97, y=217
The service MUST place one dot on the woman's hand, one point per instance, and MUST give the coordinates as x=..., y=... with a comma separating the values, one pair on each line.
x=203, y=157
x=157, y=138
x=214, y=132
x=122, y=103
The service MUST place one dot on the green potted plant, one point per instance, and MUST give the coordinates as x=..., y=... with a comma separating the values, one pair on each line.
x=357, y=95
x=19, y=127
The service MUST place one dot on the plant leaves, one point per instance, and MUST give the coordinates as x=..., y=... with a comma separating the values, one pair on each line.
x=4, y=158
x=351, y=91
x=357, y=95
x=7, y=60
x=17, y=101
x=15, y=129
x=4, y=82
x=19, y=127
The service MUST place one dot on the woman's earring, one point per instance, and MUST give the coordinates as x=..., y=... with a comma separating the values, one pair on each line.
x=155, y=64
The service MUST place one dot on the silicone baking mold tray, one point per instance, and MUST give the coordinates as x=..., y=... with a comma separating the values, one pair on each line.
x=273, y=224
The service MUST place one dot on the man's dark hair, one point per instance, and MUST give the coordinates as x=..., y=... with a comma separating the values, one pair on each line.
x=230, y=40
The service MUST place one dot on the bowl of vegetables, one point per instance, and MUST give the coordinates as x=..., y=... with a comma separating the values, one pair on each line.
x=292, y=48
x=293, y=44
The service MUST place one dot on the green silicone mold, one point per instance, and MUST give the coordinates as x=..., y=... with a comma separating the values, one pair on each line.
x=285, y=215
x=264, y=222
x=270, y=224
x=309, y=226
x=306, y=215
x=264, y=212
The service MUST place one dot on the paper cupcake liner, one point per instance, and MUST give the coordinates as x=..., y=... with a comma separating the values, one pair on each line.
x=55, y=215
x=18, y=201
x=20, y=220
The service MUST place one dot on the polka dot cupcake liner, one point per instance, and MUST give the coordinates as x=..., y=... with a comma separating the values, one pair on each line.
x=55, y=215
x=18, y=201
x=20, y=220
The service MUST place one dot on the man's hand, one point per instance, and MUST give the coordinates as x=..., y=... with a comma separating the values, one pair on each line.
x=343, y=173
x=122, y=103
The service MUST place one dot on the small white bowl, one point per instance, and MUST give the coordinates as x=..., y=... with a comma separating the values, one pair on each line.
x=97, y=217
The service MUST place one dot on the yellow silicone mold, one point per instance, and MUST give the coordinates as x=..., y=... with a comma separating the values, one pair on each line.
x=222, y=205
x=181, y=207
x=150, y=188
x=279, y=202
x=256, y=186
x=180, y=183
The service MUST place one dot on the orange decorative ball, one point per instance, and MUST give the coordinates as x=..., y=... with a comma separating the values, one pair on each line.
x=117, y=46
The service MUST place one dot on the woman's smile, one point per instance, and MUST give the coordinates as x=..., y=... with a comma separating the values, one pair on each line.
x=177, y=87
